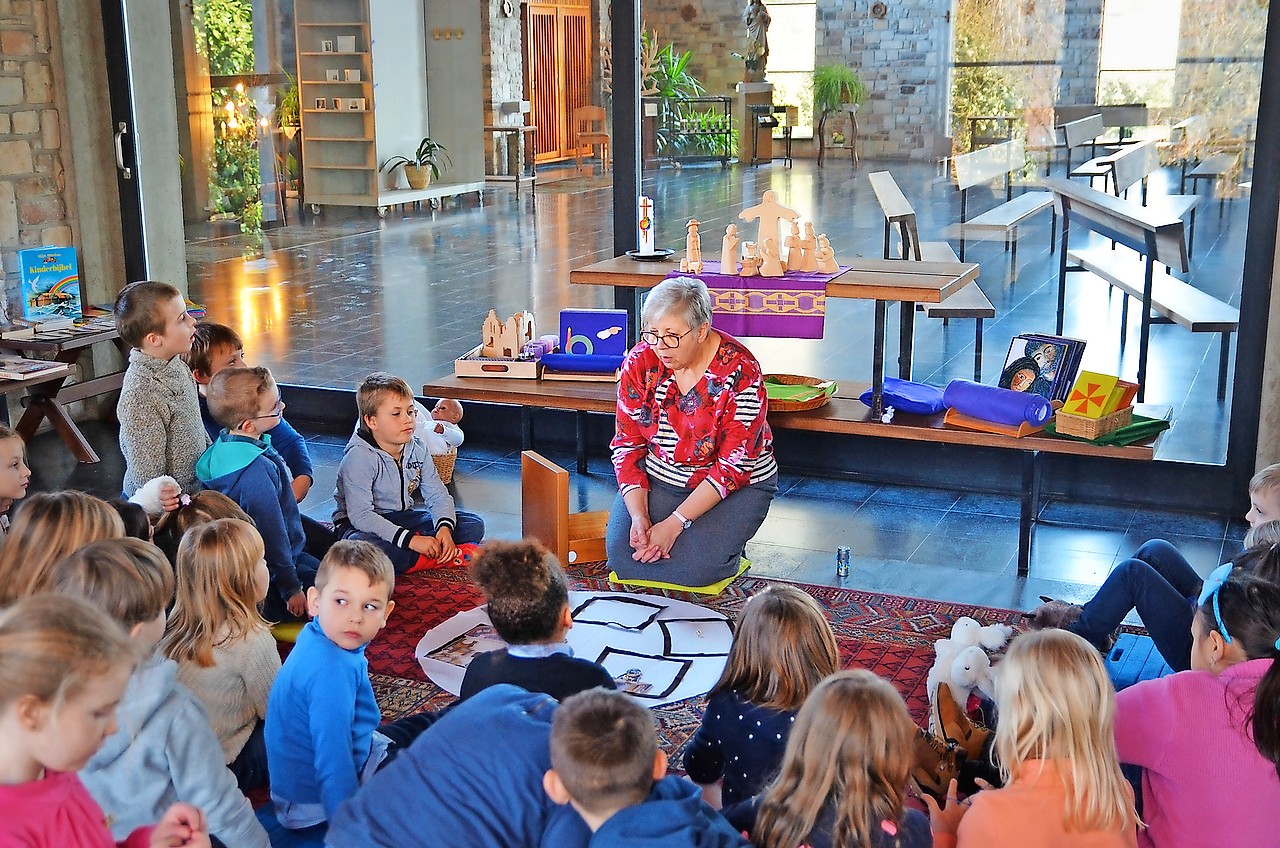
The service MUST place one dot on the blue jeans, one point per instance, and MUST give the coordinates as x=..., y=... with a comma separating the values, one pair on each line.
x=468, y=527
x=250, y=765
x=1162, y=586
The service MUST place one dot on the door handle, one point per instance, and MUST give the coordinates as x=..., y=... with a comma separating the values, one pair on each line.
x=121, y=130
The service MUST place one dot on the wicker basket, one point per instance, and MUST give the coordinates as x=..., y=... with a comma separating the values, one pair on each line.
x=797, y=405
x=1092, y=428
x=444, y=464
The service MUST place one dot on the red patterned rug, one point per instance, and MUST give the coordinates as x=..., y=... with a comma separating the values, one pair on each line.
x=890, y=635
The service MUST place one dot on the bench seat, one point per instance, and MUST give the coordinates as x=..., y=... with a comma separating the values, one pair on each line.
x=1012, y=213
x=1176, y=301
x=968, y=302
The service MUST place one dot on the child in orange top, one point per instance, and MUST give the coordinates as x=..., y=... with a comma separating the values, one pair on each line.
x=1057, y=753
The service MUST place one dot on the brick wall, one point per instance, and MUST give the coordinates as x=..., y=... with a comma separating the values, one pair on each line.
x=711, y=30
x=34, y=179
x=1081, y=42
x=503, y=56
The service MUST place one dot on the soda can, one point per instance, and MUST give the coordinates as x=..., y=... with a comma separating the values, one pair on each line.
x=842, y=561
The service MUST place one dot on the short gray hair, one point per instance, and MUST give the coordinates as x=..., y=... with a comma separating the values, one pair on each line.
x=683, y=297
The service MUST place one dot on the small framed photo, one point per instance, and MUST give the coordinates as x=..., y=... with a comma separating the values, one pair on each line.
x=333, y=75
x=326, y=46
x=340, y=103
x=322, y=103
x=355, y=104
x=351, y=74
x=346, y=44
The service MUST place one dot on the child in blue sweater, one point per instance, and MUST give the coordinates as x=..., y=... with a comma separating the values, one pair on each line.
x=605, y=761
x=243, y=465
x=322, y=728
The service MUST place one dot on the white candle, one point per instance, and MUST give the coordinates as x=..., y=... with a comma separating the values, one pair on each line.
x=646, y=226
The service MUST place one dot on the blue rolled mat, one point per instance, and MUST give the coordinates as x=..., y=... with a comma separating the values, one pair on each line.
x=585, y=362
x=991, y=403
x=908, y=396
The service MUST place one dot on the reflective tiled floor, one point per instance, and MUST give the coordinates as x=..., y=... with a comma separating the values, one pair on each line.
x=348, y=293
x=918, y=542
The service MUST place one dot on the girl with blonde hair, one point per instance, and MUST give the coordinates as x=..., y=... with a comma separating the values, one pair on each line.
x=1057, y=752
x=782, y=648
x=224, y=649
x=15, y=475
x=50, y=526
x=204, y=506
x=64, y=665
x=844, y=775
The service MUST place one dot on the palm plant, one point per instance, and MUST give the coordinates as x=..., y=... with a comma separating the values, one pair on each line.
x=834, y=86
x=428, y=157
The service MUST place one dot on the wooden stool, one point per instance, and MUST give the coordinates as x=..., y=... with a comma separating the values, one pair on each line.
x=544, y=496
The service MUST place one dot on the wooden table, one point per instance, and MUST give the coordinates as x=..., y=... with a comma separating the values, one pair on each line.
x=881, y=280
x=518, y=133
x=46, y=397
x=844, y=414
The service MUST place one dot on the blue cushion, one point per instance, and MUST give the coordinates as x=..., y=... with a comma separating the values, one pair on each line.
x=283, y=837
x=1133, y=659
x=908, y=396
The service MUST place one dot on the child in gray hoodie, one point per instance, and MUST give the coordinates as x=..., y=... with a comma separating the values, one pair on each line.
x=388, y=491
x=165, y=750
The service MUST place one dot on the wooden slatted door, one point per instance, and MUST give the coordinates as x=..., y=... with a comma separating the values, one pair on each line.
x=558, y=63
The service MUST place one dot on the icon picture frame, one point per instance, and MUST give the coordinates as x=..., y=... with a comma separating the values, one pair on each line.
x=352, y=74
x=322, y=104
x=326, y=46
x=332, y=75
x=346, y=44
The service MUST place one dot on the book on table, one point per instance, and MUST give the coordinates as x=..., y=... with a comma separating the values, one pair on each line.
x=21, y=368
x=1042, y=364
x=50, y=284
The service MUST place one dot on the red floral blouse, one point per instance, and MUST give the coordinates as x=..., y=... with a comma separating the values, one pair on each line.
x=716, y=431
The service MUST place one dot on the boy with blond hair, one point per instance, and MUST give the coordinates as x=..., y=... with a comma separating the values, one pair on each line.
x=243, y=464
x=160, y=428
x=606, y=762
x=322, y=729
x=1159, y=583
x=388, y=491
x=165, y=750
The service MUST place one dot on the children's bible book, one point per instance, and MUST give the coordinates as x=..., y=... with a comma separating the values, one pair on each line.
x=1042, y=365
x=1090, y=395
x=50, y=283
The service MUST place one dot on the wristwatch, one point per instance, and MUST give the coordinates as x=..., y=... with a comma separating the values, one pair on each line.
x=686, y=523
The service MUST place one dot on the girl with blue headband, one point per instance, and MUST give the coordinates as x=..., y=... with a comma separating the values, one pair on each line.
x=1208, y=739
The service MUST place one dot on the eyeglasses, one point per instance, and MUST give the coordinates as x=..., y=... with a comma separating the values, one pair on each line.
x=275, y=413
x=666, y=340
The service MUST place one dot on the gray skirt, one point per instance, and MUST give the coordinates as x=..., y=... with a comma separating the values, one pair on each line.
x=705, y=553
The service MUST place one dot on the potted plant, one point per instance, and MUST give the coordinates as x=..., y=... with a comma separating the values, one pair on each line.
x=423, y=166
x=834, y=86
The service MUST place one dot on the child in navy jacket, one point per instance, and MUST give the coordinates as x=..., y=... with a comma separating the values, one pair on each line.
x=243, y=465
x=606, y=763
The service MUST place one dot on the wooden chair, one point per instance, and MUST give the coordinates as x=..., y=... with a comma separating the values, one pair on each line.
x=589, y=129
x=544, y=496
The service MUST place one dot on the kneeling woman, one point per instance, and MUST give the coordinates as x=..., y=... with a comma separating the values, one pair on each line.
x=693, y=451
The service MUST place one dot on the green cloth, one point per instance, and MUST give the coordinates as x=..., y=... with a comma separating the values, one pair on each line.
x=1140, y=429
x=780, y=391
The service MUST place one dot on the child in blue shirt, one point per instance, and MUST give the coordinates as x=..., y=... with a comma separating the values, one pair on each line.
x=243, y=464
x=323, y=739
x=605, y=761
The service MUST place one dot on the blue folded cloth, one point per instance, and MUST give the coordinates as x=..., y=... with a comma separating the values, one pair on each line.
x=1000, y=406
x=908, y=396
x=584, y=362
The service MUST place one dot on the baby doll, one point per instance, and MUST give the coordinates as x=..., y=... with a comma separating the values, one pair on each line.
x=439, y=428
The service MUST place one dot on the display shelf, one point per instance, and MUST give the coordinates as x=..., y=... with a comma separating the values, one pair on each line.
x=685, y=125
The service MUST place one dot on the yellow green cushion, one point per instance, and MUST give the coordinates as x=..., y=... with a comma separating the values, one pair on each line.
x=713, y=589
x=287, y=631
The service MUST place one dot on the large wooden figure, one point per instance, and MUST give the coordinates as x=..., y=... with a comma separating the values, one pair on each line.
x=729, y=250
x=692, y=263
x=769, y=212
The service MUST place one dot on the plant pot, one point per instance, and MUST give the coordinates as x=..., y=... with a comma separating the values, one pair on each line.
x=418, y=177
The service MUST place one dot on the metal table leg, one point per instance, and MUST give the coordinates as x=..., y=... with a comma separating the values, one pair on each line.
x=580, y=426
x=877, y=361
x=906, y=338
x=1030, y=508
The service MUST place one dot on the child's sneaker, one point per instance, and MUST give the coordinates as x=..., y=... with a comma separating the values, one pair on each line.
x=466, y=552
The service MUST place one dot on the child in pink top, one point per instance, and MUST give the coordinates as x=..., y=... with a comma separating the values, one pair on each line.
x=63, y=668
x=1056, y=748
x=1208, y=739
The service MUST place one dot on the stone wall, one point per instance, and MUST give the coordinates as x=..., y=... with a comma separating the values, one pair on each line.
x=711, y=30
x=502, y=48
x=35, y=186
x=1081, y=43
x=901, y=58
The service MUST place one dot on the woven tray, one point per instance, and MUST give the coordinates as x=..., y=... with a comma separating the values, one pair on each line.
x=444, y=465
x=1092, y=428
x=782, y=405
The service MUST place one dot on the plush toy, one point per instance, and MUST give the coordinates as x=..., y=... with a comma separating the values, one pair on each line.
x=970, y=670
x=965, y=633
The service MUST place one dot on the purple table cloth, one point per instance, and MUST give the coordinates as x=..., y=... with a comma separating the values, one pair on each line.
x=792, y=306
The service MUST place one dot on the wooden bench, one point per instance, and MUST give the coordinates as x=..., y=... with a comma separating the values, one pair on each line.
x=1000, y=161
x=1190, y=139
x=1155, y=239
x=843, y=415
x=1081, y=131
x=967, y=302
x=1132, y=166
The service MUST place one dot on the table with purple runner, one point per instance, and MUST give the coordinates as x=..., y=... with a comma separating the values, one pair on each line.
x=792, y=306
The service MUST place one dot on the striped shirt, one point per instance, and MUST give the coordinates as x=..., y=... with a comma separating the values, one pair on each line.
x=716, y=431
